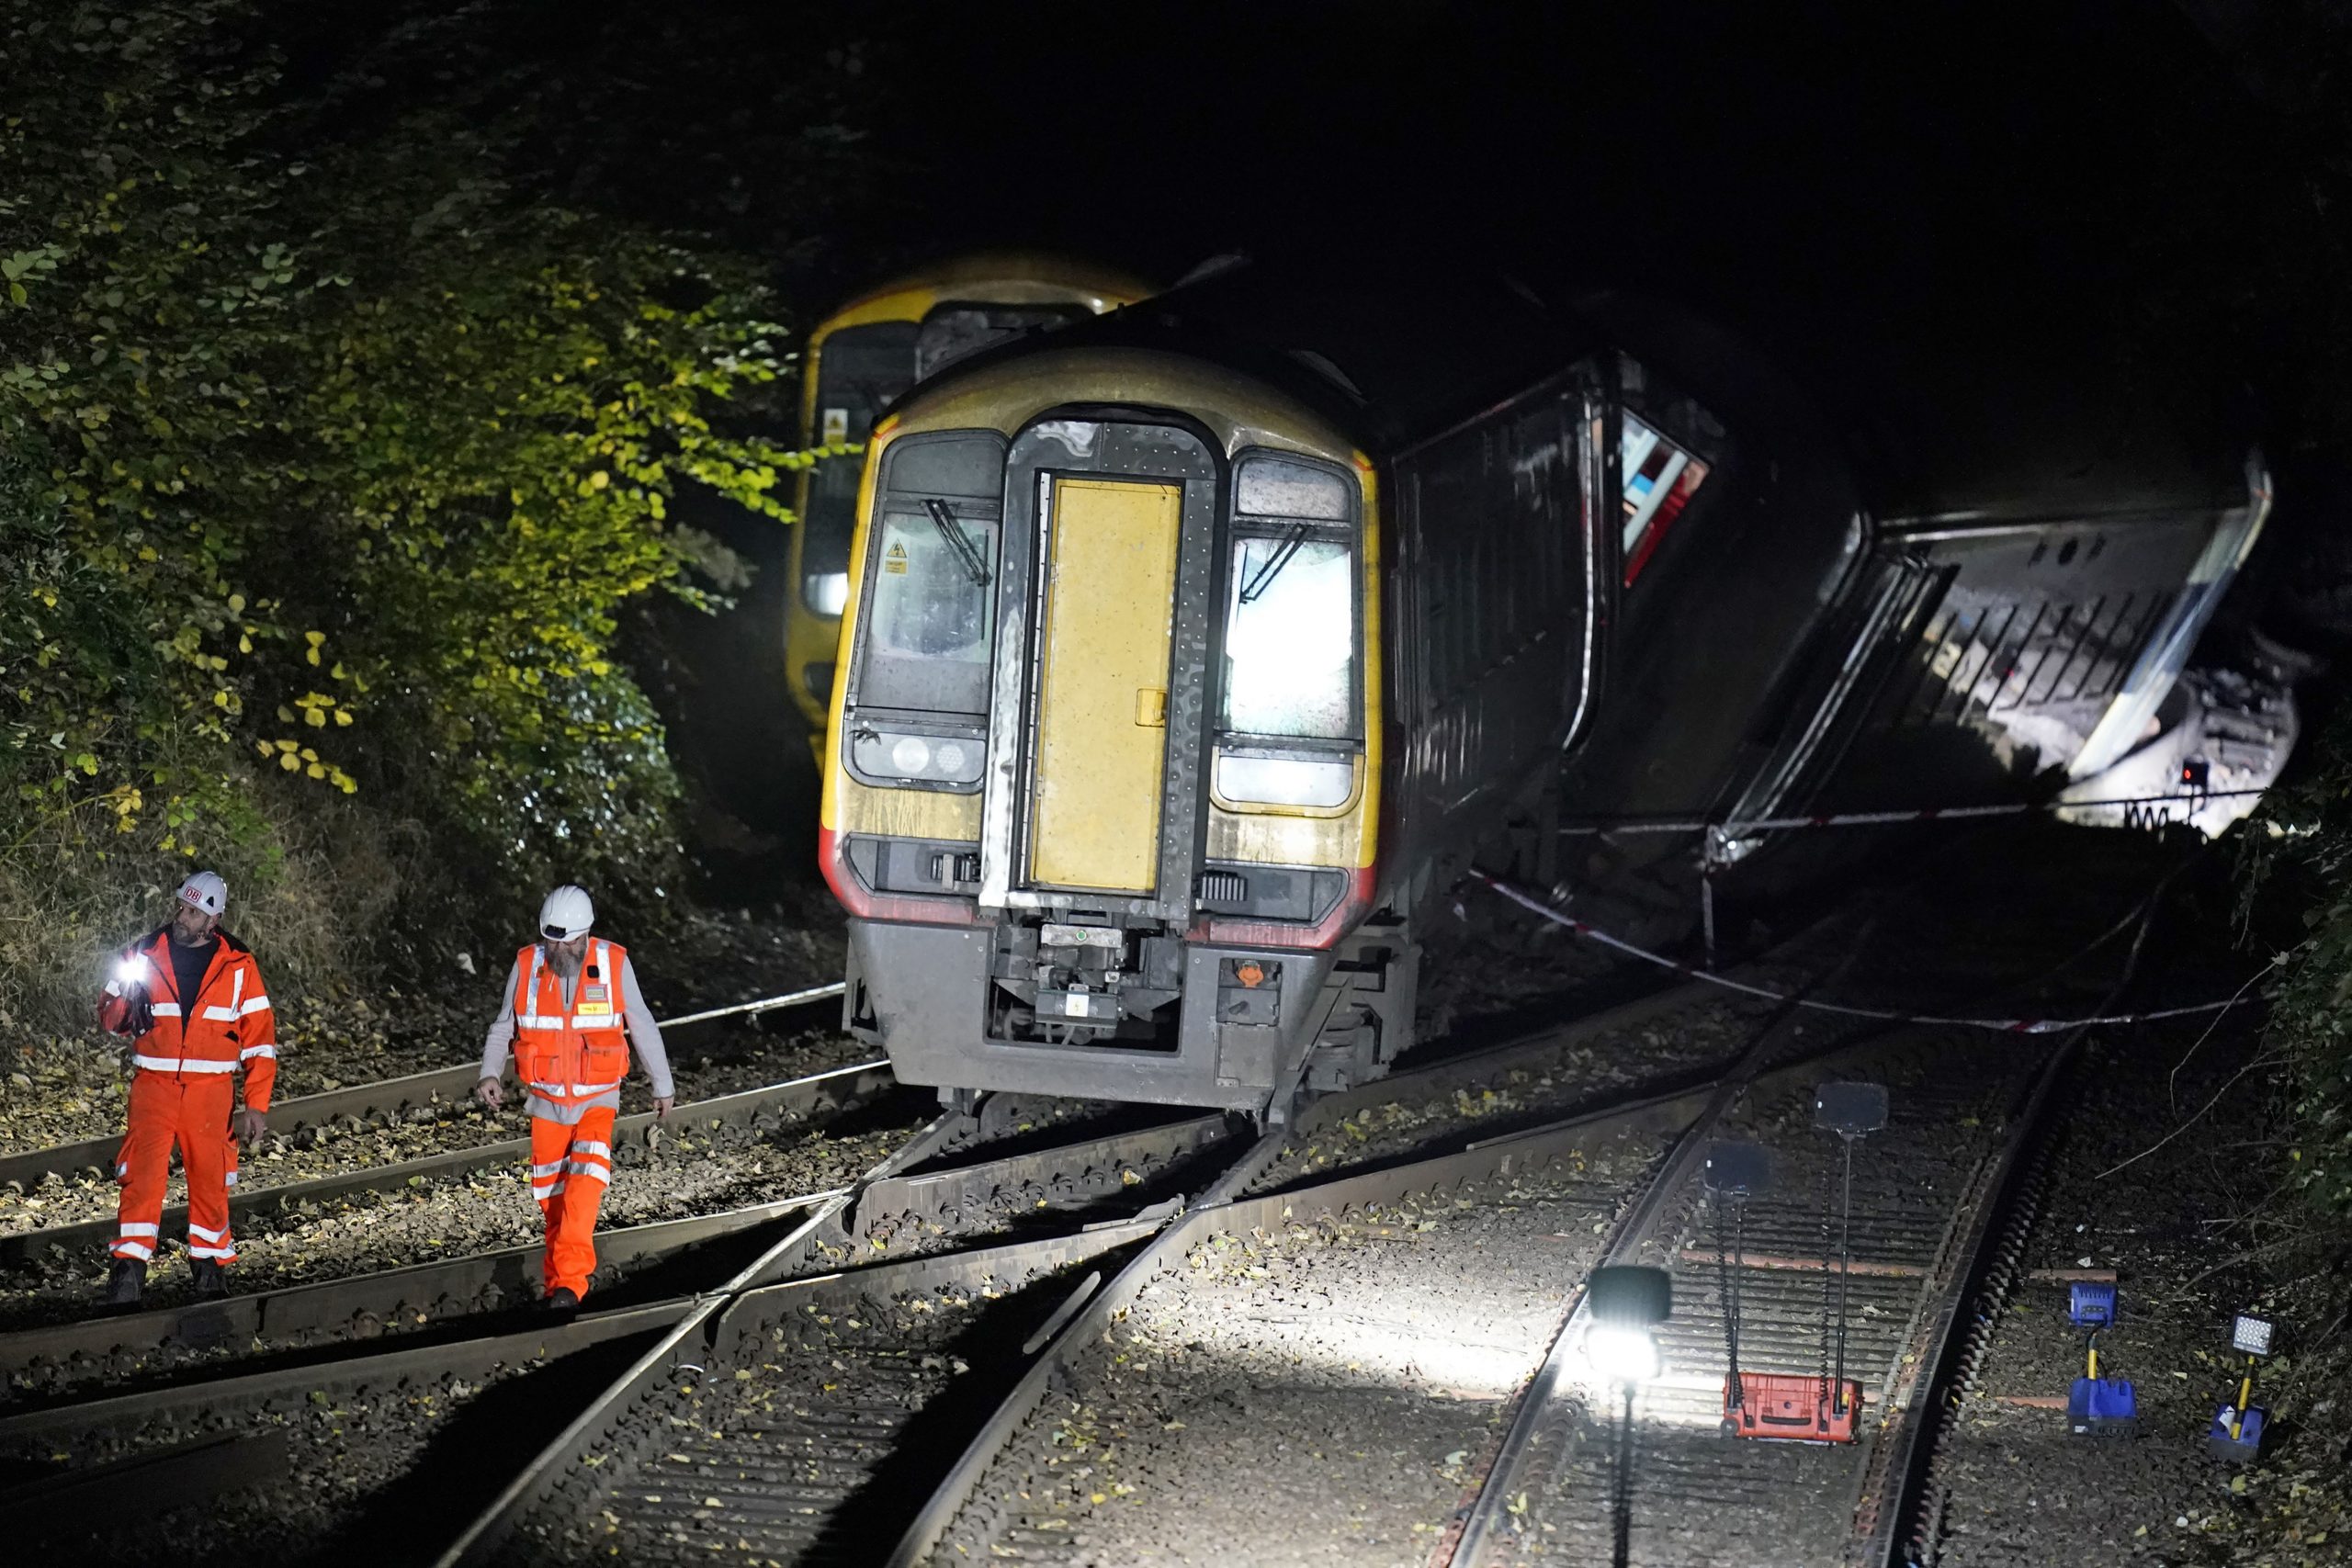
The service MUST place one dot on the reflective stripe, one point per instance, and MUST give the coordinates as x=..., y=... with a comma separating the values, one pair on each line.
x=543, y=1193
x=589, y=1168
x=196, y=1230
x=541, y=1172
x=533, y=1020
x=231, y=1179
x=257, y=1004
x=199, y=1065
x=250, y=1051
x=157, y=1064
x=220, y=1015
x=133, y=1250
x=136, y=1227
x=584, y=1147
x=236, y=987
x=228, y=1252
x=166, y=1009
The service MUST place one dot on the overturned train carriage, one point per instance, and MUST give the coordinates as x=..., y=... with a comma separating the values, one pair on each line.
x=1188, y=652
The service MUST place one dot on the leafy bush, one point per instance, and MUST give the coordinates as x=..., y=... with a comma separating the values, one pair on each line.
x=2304, y=867
x=329, y=469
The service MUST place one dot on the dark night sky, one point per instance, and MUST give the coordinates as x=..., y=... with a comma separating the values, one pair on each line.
x=2002, y=201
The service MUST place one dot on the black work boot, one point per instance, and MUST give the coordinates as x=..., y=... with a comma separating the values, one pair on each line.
x=127, y=1283
x=212, y=1280
x=563, y=1298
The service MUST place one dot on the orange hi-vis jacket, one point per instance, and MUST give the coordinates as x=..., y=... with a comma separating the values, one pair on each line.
x=571, y=1056
x=228, y=1024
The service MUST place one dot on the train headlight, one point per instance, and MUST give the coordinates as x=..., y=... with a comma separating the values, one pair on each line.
x=917, y=758
x=826, y=593
x=1286, y=781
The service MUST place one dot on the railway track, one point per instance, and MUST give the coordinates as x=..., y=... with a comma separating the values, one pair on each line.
x=1968, y=1111
x=956, y=1211
x=355, y=1107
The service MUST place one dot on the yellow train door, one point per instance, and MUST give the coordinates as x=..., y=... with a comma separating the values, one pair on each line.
x=1101, y=745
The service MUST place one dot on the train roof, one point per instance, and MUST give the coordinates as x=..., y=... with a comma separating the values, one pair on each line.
x=1008, y=278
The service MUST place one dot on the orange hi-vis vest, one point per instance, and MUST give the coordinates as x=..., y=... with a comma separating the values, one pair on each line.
x=228, y=1024
x=565, y=1055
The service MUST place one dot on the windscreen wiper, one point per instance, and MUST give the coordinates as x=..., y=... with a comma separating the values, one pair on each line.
x=1263, y=578
x=944, y=519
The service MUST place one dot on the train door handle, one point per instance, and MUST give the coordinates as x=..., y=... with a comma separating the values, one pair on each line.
x=1151, y=707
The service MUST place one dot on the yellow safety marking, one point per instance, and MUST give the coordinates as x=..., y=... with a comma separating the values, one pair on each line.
x=1151, y=707
x=1109, y=617
x=894, y=561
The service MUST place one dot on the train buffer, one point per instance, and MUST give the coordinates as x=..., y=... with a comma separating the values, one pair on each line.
x=2235, y=1436
x=2096, y=1406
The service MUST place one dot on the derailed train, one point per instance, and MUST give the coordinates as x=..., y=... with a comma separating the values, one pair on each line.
x=1188, y=651
x=862, y=358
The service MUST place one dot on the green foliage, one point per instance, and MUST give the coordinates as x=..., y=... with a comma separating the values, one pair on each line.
x=337, y=465
x=2305, y=863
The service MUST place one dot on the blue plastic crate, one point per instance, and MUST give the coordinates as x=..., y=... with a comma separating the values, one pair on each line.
x=2102, y=1407
x=2246, y=1446
x=2090, y=1305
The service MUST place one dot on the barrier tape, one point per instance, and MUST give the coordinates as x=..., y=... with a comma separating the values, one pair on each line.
x=766, y=1004
x=2005, y=1025
x=1882, y=819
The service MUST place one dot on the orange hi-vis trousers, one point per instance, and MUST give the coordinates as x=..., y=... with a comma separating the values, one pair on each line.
x=569, y=1166
x=192, y=1110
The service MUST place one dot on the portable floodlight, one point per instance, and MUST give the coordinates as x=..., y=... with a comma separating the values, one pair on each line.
x=1737, y=1168
x=2091, y=1305
x=2235, y=1436
x=1628, y=1302
x=2098, y=1407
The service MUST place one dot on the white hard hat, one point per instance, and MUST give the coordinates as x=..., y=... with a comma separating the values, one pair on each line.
x=206, y=892
x=566, y=914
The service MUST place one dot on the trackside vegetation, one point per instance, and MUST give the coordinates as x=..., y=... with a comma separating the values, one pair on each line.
x=328, y=462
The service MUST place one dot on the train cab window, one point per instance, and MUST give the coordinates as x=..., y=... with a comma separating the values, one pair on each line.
x=859, y=370
x=934, y=598
x=1290, y=636
x=1287, y=708
x=952, y=332
x=1661, y=478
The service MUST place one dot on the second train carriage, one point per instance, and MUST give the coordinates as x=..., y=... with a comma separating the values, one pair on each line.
x=862, y=358
x=1189, y=651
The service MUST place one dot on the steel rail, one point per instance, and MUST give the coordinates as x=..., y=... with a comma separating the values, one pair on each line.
x=1220, y=1210
x=1489, y=1521
x=836, y=1086
x=686, y=1338
x=1008, y=1186
x=366, y=1304
x=220, y=1395
x=361, y=1101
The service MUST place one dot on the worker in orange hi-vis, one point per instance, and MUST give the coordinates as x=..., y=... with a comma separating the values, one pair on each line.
x=191, y=997
x=572, y=1012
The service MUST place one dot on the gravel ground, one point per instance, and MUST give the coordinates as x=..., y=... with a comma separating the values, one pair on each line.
x=689, y=1173
x=1544, y=1089
x=2023, y=1489
x=1319, y=1396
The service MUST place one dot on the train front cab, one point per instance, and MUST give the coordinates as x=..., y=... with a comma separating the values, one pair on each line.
x=1106, y=769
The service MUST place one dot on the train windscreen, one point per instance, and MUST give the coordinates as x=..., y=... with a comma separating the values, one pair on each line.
x=952, y=332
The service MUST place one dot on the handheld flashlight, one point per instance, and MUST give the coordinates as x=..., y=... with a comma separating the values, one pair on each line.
x=132, y=972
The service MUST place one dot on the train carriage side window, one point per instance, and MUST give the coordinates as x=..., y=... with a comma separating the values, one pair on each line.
x=1660, y=477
